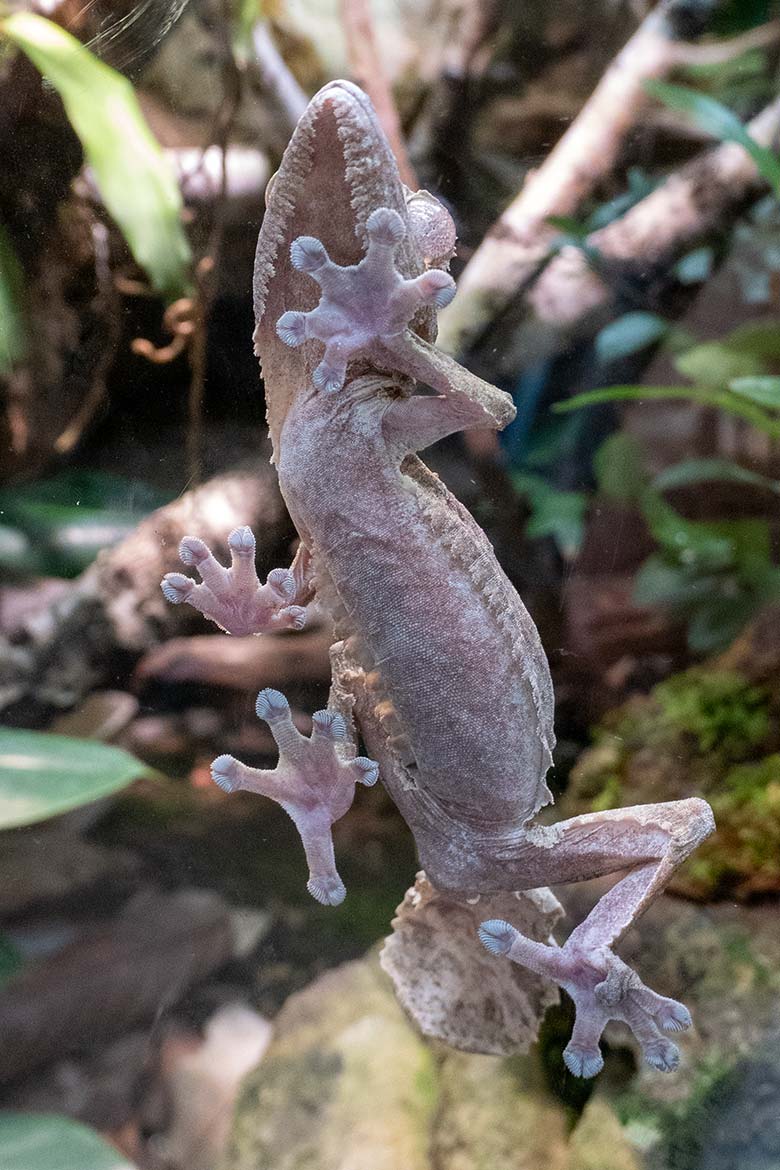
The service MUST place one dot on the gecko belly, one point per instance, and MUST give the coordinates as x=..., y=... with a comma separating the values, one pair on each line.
x=464, y=677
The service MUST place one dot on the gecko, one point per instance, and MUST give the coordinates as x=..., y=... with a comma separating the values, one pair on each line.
x=437, y=665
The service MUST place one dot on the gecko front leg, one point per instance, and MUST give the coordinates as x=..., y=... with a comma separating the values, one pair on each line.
x=314, y=782
x=652, y=839
x=363, y=305
x=234, y=597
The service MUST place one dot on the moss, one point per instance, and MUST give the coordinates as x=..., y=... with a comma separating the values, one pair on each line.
x=695, y=734
x=721, y=710
x=744, y=855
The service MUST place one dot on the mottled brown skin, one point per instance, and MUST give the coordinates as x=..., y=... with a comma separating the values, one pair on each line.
x=435, y=658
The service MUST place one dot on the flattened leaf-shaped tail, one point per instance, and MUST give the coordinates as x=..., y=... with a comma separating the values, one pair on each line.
x=447, y=982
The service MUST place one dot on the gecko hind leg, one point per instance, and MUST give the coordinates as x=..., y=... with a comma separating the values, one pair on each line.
x=654, y=840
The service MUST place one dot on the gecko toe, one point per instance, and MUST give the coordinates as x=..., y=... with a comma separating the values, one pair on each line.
x=176, y=587
x=270, y=704
x=497, y=936
x=328, y=891
x=242, y=541
x=583, y=1062
x=385, y=226
x=223, y=773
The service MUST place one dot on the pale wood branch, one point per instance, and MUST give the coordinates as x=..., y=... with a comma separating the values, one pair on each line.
x=514, y=251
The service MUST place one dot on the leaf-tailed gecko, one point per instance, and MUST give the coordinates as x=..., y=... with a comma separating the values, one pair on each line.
x=435, y=658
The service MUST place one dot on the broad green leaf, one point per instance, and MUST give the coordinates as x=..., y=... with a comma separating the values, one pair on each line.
x=135, y=181
x=692, y=543
x=765, y=390
x=45, y=1141
x=691, y=471
x=13, y=340
x=618, y=468
x=61, y=524
x=42, y=775
x=629, y=334
x=719, y=121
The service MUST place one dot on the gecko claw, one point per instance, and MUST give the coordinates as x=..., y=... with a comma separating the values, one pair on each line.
x=368, y=771
x=271, y=704
x=385, y=226
x=242, y=541
x=329, y=725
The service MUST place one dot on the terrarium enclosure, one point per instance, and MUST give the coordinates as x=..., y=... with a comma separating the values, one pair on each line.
x=389, y=585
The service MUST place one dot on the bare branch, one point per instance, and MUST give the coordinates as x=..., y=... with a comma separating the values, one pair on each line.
x=511, y=255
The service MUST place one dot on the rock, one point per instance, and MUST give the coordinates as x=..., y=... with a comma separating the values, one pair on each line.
x=345, y=1085
x=202, y=1077
x=349, y=1084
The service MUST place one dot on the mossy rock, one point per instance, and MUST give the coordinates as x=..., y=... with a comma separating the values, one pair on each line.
x=349, y=1084
x=705, y=732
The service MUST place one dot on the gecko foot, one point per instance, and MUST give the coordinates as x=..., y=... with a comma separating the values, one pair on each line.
x=360, y=304
x=234, y=597
x=314, y=782
x=603, y=988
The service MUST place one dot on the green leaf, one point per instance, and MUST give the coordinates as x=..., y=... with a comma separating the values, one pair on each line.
x=715, y=363
x=706, y=396
x=42, y=775
x=575, y=228
x=691, y=471
x=555, y=513
x=13, y=339
x=62, y=523
x=135, y=181
x=44, y=1141
x=618, y=468
x=11, y=959
x=695, y=267
x=719, y=121
x=660, y=582
x=716, y=623
x=765, y=390
x=629, y=334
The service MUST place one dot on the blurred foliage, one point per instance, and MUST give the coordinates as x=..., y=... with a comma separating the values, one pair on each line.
x=715, y=575
x=721, y=122
x=57, y=527
x=42, y=774
x=44, y=1141
x=720, y=709
x=136, y=183
x=11, y=959
x=13, y=342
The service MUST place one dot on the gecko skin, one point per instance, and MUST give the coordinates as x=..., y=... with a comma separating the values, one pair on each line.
x=435, y=658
